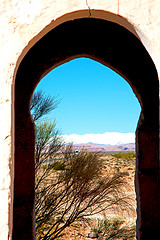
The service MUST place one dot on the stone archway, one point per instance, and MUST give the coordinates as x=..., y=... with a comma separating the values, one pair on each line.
x=119, y=49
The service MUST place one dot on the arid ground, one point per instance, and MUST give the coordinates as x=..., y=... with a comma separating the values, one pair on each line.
x=82, y=230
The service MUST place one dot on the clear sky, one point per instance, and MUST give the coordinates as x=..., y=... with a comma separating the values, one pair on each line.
x=94, y=99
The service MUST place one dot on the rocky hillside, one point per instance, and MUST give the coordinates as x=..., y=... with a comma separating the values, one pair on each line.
x=104, y=148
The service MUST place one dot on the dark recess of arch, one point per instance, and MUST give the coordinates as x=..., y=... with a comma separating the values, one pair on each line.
x=116, y=47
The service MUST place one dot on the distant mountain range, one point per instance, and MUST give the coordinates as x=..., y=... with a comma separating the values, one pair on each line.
x=92, y=147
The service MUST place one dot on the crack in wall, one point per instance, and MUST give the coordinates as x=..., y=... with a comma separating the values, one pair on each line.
x=87, y=3
x=118, y=8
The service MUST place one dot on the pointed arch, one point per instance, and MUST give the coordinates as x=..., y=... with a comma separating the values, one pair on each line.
x=114, y=46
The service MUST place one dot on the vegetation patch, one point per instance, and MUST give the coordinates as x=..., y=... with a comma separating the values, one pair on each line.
x=124, y=155
x=57, y=165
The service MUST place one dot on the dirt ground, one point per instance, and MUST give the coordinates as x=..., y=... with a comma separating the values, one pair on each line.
x=80, y=229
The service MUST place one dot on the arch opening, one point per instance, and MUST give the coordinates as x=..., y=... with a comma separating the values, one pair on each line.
x=97, y=94
x=117, y=48
x=95, y=102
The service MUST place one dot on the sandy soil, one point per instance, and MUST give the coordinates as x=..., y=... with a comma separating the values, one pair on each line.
x=78, y=230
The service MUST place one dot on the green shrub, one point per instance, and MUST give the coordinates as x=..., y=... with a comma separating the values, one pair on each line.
x=55, y=166
x=115, y=228
x=58, y=165
x=124, y=155
x=116, y=168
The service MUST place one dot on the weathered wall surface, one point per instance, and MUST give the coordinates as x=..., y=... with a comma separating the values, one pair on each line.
x=22, y=23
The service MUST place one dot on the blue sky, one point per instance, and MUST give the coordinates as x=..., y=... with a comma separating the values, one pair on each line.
x=94, y=99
